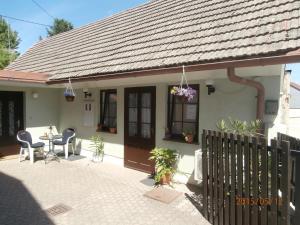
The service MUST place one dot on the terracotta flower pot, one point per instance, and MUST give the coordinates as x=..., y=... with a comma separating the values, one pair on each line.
x=99, y=127
x=166, y=179
x=113, y=130
x=70, y=98
x=189, y=138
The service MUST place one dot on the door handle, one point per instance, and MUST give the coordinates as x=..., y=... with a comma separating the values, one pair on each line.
x=18, y=124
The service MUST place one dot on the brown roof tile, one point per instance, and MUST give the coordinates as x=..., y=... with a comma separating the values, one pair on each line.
x=166, y=33
x=28, y=77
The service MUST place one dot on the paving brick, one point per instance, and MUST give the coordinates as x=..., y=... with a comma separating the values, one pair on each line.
x=97, y=194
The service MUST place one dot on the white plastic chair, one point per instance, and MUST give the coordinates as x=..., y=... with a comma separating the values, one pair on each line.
x=25, y=140
x=68, y=136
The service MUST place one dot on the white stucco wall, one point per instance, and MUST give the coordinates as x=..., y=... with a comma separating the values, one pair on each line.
x=230, y=99
x=39, y=113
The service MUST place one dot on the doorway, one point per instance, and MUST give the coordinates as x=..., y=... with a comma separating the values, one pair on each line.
x=11, y=121
x=139, y=128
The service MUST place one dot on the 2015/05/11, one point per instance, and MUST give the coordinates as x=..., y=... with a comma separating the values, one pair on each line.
x=258, y=201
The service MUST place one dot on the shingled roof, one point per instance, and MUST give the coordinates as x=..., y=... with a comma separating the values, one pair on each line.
x=165, y=33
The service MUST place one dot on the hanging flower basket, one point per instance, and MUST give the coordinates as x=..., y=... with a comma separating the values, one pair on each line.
x=69, y=93
x=186, y=94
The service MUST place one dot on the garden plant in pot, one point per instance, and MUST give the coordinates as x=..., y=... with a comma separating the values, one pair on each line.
x=183, y=91
x=113, y=128
x=69, y=96
x=188, y=136
x=98, y=147
x=165, y=162
x=69, y=93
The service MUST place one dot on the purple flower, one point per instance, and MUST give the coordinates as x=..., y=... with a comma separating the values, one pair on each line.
x=187, y=93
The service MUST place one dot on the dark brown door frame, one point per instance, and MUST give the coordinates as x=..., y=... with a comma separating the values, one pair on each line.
x=18, y=98
x=137, y=148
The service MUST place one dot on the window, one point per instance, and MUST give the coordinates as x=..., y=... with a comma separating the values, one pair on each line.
x=183, y=116
x=108, y=109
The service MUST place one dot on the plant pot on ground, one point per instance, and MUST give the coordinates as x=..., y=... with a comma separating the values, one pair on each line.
x=165, y=161
x=98, y=148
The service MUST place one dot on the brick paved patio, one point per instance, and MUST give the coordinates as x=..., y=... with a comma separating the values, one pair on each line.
x=97, y=193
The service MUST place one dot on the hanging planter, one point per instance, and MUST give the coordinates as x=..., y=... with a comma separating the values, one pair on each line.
x=186, y=94
x=69, y=93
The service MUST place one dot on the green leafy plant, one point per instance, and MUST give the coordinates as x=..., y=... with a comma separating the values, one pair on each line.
x=240, y=127
x=98, y=146
x=165, y=160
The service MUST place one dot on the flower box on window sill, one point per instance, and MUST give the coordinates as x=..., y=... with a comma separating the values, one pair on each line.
x=179, y=140
x=105, y=130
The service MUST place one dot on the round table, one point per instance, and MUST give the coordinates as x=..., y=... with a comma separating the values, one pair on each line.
x=51, y=146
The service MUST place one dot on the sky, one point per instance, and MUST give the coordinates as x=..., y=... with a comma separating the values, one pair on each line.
x=78, y=12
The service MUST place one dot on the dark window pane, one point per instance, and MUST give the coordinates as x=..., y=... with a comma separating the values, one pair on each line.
x=177, y=114
x=108, y=109
x=112, y=98
x=189, y=128
x=146, y=100
x=190, y=112
x=1, y=109
x=146, y=115
x=146, y=130
x=132, y=100
x=11, y=118
x=133, y=113
x=113, y=110
x=132, y=129
x=177, y=128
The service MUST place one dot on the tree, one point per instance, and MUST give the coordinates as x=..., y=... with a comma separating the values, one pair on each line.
x=9, y=42
x=59, y=26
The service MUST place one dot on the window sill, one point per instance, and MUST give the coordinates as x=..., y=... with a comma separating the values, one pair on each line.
x=105, y=131
x=180, y=141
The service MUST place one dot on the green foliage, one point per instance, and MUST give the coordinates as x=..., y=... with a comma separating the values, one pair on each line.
x=13, y=36
x=7, y=42
x=98, y=145
x=221, y=125
x=240, y=127
x=165, y=160
x=59, y=26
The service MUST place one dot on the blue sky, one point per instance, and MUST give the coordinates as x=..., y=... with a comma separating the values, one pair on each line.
x=79, y=12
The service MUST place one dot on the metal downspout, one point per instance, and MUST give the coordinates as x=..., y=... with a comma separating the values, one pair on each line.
x=255, y=84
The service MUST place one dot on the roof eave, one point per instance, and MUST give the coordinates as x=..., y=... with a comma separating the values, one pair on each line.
x=290, y=57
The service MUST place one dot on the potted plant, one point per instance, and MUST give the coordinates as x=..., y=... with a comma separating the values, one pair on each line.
x=188, y=136
x=69, y=95
x=168, y=134
x=98, y=147
x=165, y=160
x=186, y=94
x=113, y=128
x=99, y=127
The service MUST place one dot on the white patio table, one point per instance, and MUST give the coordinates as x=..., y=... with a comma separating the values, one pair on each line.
x=51, y=152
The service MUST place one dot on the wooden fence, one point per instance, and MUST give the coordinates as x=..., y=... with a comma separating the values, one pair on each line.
x=245, y=181
x=295, y=176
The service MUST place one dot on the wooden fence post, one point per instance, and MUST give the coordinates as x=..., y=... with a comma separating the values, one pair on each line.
x=204, y=171
x=285, y=182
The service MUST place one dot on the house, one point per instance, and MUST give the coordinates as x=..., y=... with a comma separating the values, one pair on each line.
x=294, y=110
x=123, y=67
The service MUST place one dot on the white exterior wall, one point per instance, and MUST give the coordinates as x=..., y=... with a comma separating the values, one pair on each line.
x=39, y=113
x=230, y=99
